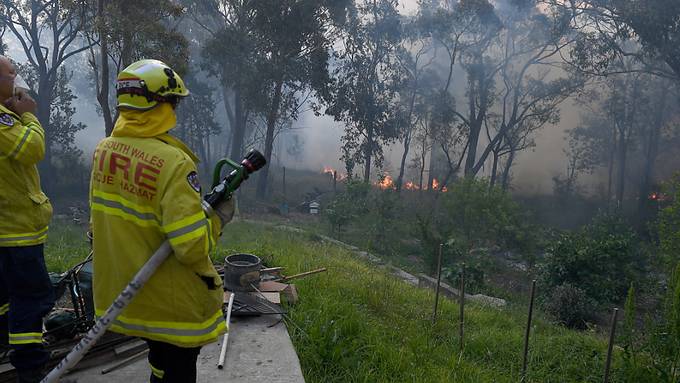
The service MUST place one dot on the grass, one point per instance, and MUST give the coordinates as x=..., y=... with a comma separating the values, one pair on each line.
x=355, y=323
x=66, y=246
x=358, y=324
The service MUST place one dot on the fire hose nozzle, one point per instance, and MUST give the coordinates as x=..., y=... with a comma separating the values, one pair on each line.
x=222, y=190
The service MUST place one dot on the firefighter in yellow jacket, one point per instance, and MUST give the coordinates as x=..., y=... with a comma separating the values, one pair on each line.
x=145, y=189
x=25, y=290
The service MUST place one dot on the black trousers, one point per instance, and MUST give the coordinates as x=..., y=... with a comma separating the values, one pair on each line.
x=26, y=296
x=172, y=364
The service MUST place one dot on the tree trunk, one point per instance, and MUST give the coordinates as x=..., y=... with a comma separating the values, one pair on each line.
x=45, y=89
x=238, y=129
x=505, y=181
x=368, y=154
x=476, y=117
x=103, y=96
x=494, y=169
x=126, y=49
x=430, y=175
x=204, y=156
x=269, y=138
x=407, y=138
x=208, y=152
x=423, y=156
x=471, y=159
x=651, y=151
x=402, y=166
x=621, y=177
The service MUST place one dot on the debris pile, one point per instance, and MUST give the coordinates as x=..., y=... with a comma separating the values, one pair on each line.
x=258, y=290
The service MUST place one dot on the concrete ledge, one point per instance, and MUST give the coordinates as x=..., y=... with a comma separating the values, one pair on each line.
x=447, y=290
x=256, y=353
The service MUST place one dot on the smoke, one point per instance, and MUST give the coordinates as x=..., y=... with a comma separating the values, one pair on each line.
x=320, y=136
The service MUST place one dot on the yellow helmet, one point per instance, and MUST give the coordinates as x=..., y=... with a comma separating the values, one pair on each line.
x=146, y=83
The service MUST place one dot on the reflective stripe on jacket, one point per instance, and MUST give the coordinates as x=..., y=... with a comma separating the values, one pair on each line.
x=25, y=210
x=143, y=192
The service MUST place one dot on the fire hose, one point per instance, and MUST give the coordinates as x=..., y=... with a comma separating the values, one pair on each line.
x=221, y=192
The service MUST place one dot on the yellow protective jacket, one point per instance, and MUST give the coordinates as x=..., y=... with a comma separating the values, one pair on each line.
x=25, y=210
x=144, y=190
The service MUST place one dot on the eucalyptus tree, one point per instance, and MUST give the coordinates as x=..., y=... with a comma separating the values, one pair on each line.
x=531, y=85
x=416, y=56
x=604, y=27
x=510, y=56
x=367, y=81
x=49, y=33
x=120, y=32
x=270, y=52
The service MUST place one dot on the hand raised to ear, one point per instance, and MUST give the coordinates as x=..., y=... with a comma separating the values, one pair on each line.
x=21, y=103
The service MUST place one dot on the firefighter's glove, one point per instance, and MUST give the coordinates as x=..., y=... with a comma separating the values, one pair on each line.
x=225, y=210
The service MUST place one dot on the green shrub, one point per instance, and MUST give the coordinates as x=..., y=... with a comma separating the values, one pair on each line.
x=669, y=223
x=602, y=259
x=349, y=205
x=478, y=215
x=655, y=357
x=570, y=306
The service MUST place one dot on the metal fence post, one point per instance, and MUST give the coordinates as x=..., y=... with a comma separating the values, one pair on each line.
x=528, y=331
x=462, y=307
x=612, y=333
x=439, y=278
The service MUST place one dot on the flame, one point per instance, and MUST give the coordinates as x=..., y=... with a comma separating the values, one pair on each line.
x=329, y=170
x=386, y=183
x=411, y=186
x=435, y=184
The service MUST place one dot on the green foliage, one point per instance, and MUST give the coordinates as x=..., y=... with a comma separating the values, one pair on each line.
x=366, y=83
x=628, y=329
x=474, y=264
x=656, y=357
x=66, y=246
x=358, y=324
x=570, y=305
x=601, y=259
x=479, y=216
x=142, y=29
x=669, y=223
x=196, y=120
x=349, y=205
x=664, y=345
x=634, y=364
x=653, y=26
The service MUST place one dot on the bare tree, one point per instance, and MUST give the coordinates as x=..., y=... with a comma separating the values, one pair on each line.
x=49, y=32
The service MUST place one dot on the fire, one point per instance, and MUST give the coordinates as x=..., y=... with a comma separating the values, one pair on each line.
x=386, y=183
x=332, y=172
x=411, y=186
x=435, y=184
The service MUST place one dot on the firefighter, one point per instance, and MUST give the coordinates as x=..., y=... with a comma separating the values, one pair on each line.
x=145, y=190
x=26, y=294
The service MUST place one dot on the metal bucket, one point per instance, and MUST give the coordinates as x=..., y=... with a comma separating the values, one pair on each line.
x=240, y=271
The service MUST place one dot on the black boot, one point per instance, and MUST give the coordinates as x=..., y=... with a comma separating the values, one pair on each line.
x=30, y=376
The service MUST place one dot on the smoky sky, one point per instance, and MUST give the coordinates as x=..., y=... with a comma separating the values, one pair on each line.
x=321, y=135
